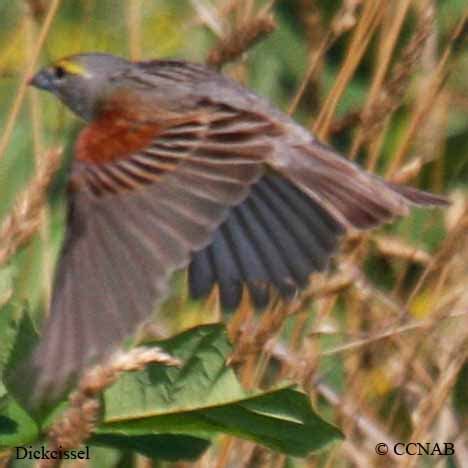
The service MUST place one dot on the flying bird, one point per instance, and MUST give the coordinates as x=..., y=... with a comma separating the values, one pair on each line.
x=180, y=166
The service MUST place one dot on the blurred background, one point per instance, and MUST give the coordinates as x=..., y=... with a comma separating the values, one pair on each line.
x=380, y=342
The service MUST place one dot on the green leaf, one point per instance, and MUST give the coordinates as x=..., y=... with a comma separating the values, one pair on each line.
x=164, y=447
x=10, y=318
x=16, y=426
x=17, y=337
x=202, y=399
x=22, y=335
x=204, y=379
x=282, y=420
x=16, y=332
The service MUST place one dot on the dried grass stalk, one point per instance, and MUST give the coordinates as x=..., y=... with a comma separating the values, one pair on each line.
x=394, y=89
x=24, y=218
x=393, y=246
x=241, y=39
x=77, y=423
x=363, y=32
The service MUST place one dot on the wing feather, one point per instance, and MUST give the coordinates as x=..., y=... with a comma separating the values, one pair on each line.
x=354, y=197
x=194, y=187
x=227, y=271
x=260, y=239
x=278, y=236
x=132, y=222
x=201, y=276
x=254, y=271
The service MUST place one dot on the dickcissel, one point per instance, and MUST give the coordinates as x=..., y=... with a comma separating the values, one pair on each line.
x=181, y=166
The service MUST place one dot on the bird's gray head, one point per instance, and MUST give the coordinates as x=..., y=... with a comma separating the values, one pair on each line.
x=82, y=81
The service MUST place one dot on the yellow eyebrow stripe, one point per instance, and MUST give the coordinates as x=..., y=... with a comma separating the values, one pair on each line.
x=72, y=67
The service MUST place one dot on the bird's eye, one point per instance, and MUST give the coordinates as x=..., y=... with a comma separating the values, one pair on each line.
x=59, y=72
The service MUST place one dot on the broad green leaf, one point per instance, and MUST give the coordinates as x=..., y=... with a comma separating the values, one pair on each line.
x=203, y=398
x=203, y=380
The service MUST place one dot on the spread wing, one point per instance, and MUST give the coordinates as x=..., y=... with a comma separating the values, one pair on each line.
x=133, y=221
x=246, y=200
x=291, y=222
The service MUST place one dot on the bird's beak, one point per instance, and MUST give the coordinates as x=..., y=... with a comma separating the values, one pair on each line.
x=42, y=80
